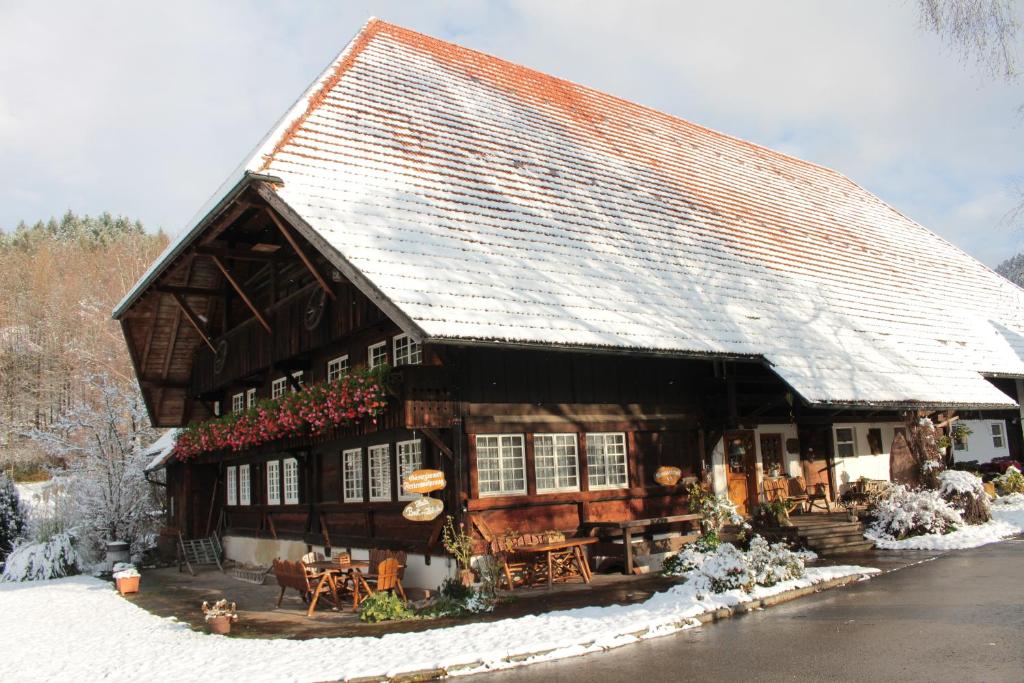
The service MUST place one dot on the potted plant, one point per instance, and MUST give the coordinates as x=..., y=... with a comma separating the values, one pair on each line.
x=220, y=616
x=459, y=545
x=851, y=511
x=126, y=576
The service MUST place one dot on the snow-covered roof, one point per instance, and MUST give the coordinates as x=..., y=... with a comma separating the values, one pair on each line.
x=490, y=202
x=160, y=450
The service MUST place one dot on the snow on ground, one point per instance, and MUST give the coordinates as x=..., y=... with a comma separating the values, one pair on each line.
x=1007, y=520
x=79, y=628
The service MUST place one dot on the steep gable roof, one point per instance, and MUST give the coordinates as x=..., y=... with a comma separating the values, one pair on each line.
x=490, y=202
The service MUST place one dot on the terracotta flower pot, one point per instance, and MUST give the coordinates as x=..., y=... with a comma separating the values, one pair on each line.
x=219, y=625
x=129, y=584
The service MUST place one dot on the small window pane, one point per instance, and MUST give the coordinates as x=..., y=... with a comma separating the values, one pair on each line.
x=845, y=446
x=407, y=351
x=250, y=398
x=274, y=482
x=244, y=486
x=501, y=464
x=410, y=458
x=380, y=472
x=291, y=481
x=556, y=462
x=336, y=368
x=377, y=355
x=238, y=403
x=606, y=461
x=353, y=475
x=232, y=485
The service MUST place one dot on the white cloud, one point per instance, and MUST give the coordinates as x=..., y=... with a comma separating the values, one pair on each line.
x=143, y=108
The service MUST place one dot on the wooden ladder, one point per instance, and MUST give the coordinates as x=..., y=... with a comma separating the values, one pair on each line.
x=199, y=551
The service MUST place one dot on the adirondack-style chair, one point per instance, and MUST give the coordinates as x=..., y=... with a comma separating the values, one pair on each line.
x=779, y=489
x=295, y=575
x=386, y=579
x=815, y=495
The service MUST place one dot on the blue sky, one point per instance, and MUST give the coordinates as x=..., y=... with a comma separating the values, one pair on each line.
x=142, y=108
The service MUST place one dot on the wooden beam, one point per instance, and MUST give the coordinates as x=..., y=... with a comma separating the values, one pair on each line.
x=435, y=438
x=241, y=293
x=226, y=219
x=300, y=253
x=187, y=291
x=149, y=335
x=193, y=318
x=237, y=254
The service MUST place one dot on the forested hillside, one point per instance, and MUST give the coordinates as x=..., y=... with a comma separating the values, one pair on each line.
x=1013, y=269
x=60, y=281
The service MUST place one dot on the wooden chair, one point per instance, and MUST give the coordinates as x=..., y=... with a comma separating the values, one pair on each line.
x=779, y=489
x=386, y=579
x=816, y=494
x=378, y=555
x=515, y=569
x=296, y=575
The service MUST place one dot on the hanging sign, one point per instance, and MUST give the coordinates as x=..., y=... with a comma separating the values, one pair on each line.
x=668, y=476
x=423, y=509
x=424, y=481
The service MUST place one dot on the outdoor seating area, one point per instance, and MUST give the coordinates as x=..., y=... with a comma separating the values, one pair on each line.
x=340, y=580
x=626, y=539
x=798, y=496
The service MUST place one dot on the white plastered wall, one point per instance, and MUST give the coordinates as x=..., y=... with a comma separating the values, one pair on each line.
x=263, y=551
x=864, y=464
x=792, y=460
x=980, y=444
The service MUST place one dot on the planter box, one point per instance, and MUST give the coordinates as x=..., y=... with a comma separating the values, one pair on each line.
x=128, y=585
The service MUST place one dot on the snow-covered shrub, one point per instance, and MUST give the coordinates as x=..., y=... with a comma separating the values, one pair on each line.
x=686, y=560
x=1009, y=482
x=124, y=570
x=965, y=492
x=717, y=511
x=32, y=561
x=772, y=563
x=13, y=517
x=901, y=512
x=728, y=568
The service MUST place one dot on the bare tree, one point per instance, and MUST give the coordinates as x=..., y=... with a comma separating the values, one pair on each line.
x=984, y=32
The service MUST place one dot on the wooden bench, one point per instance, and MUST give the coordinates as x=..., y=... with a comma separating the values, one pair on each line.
x=308, y=584
x=683, y=529
x=780, y=489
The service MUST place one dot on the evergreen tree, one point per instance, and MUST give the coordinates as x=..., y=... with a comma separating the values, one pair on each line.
x=13, y=521
x=1013, y=269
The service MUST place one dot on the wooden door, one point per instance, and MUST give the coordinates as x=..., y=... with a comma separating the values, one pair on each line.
x=741, y=470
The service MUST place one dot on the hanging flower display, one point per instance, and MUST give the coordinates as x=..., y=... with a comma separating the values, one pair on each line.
x=351, y=398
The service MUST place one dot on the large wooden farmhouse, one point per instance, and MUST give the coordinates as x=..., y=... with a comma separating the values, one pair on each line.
x=570, y=291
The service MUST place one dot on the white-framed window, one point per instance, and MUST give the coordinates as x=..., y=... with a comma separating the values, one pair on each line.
x=376, y=354
x=407, y=351
x=336, y=367
x=500, y=464
x=556, y=462
x=231, y=485
x=244, y=485
x=291, y=481
x=274, y=482
x=216, y=408
x=280, y=386
x=408, y=459
x=606, y=461
x=380, y=471
x=250, y=398
x=846, y=442
x=998, y=440
x=238, y=403
x=352, y=475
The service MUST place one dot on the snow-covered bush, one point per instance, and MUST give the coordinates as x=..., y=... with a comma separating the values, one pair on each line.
x=729, y=568
x=965, y=492
x=13, y=517
x=686, y=560
x=772, y=563
x=32, y=561
x=1009, y=482
x=717, y=511
x=901, y=512
x=124, y=570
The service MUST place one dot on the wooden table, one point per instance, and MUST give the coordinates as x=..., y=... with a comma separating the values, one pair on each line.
x=329, y=570
x=550, y=550
x=628, y=527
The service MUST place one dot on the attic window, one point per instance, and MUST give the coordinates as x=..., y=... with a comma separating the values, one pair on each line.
x=407, y=351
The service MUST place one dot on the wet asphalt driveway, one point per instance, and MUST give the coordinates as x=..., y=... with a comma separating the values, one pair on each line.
x=958, y=617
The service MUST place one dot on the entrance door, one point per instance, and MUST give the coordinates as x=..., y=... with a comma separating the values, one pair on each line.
x=741, y=470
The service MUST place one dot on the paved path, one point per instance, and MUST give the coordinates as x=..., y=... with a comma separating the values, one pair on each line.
x=959, y=617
